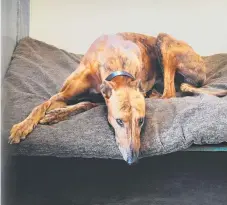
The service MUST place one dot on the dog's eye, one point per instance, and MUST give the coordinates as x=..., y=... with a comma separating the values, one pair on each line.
x=120, y=122
x=141, y=121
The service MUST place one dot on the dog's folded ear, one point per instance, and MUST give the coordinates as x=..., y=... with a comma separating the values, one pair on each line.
x=106, y=88
x=137, y=84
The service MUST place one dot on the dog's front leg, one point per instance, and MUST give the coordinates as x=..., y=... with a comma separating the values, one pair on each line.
x=77, y=83
x=169, y=75
x=60, y=114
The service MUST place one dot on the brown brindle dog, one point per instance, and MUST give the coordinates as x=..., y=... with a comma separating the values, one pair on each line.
x=123, y=68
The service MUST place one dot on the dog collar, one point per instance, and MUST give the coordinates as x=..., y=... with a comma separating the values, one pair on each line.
x=119, y=73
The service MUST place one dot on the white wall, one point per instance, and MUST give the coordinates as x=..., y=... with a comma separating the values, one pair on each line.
x=14, y=26
x=74, y=24
x=9, y=33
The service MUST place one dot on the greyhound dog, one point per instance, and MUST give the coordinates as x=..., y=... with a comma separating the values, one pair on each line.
x=123, y=67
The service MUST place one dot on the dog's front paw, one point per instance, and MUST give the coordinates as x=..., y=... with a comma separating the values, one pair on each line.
x=168, y=95
x=155, y=95
x=20, y=131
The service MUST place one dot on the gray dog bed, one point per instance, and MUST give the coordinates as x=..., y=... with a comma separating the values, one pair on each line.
x=38, y=70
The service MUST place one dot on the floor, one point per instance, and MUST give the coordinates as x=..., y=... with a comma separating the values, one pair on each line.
x=182, y=178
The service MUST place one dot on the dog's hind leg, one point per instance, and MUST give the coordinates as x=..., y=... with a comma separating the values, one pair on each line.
x=77, y=83
x=185, y=87
x=60, y=114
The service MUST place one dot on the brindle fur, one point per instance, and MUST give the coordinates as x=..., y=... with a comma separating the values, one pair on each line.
x=137, y=54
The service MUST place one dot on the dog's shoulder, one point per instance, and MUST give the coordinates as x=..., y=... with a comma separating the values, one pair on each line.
x=138, y=38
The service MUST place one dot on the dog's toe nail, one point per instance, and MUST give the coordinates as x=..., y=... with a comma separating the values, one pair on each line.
x=10, y=141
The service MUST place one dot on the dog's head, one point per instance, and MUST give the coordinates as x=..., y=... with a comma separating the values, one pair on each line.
x=126, y=113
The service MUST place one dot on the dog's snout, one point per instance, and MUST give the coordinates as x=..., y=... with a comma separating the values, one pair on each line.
x=132, y=157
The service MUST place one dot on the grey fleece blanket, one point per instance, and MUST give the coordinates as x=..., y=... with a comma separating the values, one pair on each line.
x=37, y=72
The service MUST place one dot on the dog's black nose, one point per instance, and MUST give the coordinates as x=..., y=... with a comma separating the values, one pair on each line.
x=132, y=158
x=131, y=161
